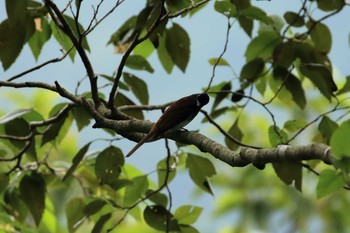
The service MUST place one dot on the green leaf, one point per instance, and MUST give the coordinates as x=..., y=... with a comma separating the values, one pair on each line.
x=138, y=62
x=164, y=171
x=200, y=170
x=340, y=141
x=252, y=70
x=40, y=37
x=157, y=198
x=221, y=96
x=277, y=136
x=256, y=13
x=294, y=125
x=101, y=222
x=12, y=39
x=262, y=46
x=160, y=218
x=121, y=100
x=63, y=40
x=284, y=54
x=16, y=10
x=17, y=127
x=321, y=36
x=75, y=213
x=187, y=214
x=4, y=181
x=54, y=130
x=276, y=24
x=76, y=160
x=81, y=116
x=108, y=165
x=330, y=5
x=222, y=61
x=145, y=49
x=94, y=207
x=164, y=56
x=329, y=182
x=246, y=24
x=32, y=189
x=138, y=87
x=135, y=191
x=236, y=133
x=178, y=46
x=293, y=19
x=327, y=127
x=321, y=77
x=124, y=34
x=346, y=87
x=292, y=84
x=225, y=7
x=73, y=25
x=289, y=173
x=15, y=114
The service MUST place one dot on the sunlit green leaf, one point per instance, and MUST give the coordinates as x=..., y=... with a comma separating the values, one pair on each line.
x=187, y=214
x=200, y=170
x=340, y=141
x=346, y=87
x=75, y=213
x=225, y=7
x=221, y=62
x=136, y=190
x=262, y=46
x=294, y=125
x=277, y=136
x=329, y=182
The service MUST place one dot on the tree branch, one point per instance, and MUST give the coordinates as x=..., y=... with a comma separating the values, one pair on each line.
x=64, y=26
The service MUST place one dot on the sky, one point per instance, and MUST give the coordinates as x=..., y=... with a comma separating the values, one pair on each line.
x=207, y=32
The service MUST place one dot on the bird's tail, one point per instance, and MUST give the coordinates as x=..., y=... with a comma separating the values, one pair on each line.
x=140, y=143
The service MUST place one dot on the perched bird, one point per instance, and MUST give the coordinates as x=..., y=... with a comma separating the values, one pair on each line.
x=176, y=116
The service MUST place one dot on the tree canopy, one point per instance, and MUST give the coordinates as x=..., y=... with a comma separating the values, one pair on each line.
x=269, y=152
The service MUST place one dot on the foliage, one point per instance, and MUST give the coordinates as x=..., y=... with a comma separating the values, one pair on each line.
x=47, y=177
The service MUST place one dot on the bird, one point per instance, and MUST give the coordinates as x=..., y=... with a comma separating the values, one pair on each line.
x=176, y=116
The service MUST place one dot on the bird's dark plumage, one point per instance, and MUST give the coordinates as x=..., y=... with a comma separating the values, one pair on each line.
x=176, y=116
